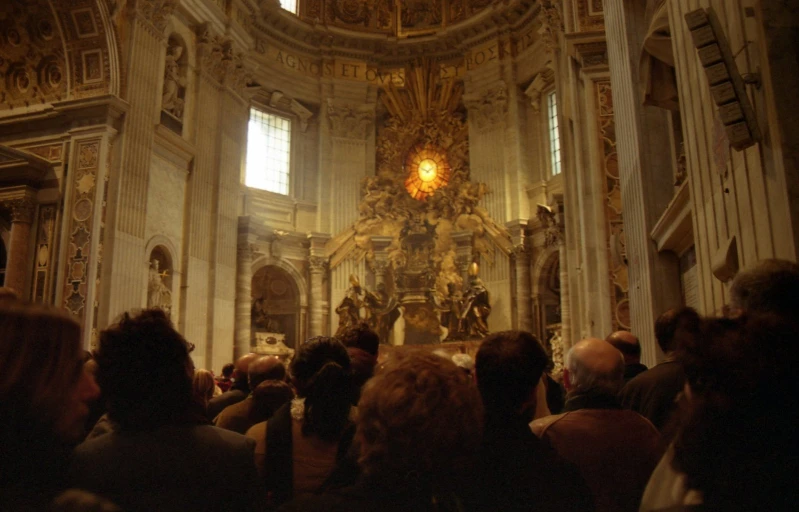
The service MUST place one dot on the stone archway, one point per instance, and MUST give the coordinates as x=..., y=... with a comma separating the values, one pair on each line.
x=275, y=305
x=546, y=294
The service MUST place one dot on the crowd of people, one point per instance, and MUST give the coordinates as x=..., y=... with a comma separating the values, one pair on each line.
x=135, y=427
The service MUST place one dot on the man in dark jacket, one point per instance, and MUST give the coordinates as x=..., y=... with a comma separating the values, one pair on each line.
x=517, y=472
x=614, y=449
x=162, y=457
x=653, y=393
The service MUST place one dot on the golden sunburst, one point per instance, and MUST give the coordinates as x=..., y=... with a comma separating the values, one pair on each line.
x=427, y=170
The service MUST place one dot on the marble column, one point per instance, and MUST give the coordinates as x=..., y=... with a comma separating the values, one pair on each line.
x=243, y=339
x=380, y=264
x=317, y=270
x=522, y=314
x=565, y=302
x=18, y=251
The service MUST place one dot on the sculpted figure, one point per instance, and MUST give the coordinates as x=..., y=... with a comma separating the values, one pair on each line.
x=158, y=294
x=452, y=316
x=173, y=82
x=381, y=311
x=476, y=306
x=349, y=311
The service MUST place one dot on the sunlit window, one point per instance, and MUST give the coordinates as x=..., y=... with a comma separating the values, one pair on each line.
x=268, y=152
x=289, y=5
x=554, y=134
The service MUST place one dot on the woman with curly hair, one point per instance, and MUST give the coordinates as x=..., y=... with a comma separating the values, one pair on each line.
x=419, y=427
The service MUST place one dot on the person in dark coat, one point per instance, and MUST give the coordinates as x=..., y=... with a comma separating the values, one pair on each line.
x=627, y=343
x=239, y=390
x=162, y=456
x=615, y=449
x=653, y=394
x=517, y=471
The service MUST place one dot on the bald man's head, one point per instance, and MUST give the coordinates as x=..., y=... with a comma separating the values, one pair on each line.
x=266, y=368
x=243, y=365
x=594, y=365
x=626, y=343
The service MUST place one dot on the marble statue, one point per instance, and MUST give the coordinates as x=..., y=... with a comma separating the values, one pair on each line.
x=381, y=311
x=452, y=313
x=158, y=293
x=476, y=306
x=260, y=318
x=173, y=82
x=349, y=311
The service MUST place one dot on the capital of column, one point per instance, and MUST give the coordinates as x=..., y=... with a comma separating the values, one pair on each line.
x=350, y=121
x=317, y=264
x=155, y=12
x=489, y=107
x=21, y=209
x=379, y=266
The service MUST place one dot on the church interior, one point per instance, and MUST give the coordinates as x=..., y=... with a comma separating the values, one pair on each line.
x=267, y=171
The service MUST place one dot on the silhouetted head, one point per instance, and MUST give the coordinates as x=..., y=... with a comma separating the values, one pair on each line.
x=593, y=366
x=508, y=368
x=626, y=343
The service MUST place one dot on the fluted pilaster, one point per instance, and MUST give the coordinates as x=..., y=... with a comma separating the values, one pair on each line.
x=645, y=175
x=243, y=300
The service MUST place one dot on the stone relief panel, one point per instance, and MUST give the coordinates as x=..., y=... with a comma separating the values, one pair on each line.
x=217, y=60
x=32, y=59
x=80, y=225
x=590, y=15
x=617, y=252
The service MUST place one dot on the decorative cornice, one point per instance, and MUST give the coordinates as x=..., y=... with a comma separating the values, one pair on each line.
x=281, y=101
x=592, y=55
x=540, y=83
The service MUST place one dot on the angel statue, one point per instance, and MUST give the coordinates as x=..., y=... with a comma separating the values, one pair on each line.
x=349, y=311
x=476, y=306
x=158, y=294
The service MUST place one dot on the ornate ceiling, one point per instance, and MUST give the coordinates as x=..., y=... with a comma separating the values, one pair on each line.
x=387, y=29
x=401, y=18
